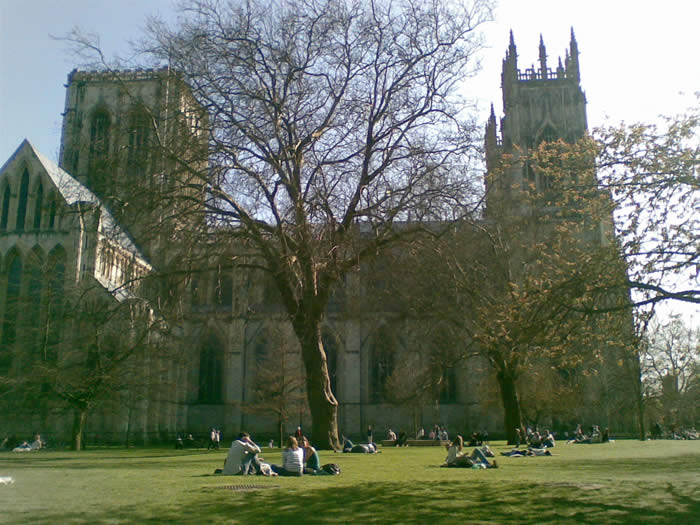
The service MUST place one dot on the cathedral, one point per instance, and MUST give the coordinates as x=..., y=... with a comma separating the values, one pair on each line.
x=86, y=226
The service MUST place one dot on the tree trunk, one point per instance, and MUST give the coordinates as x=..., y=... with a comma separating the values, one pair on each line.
x=280, y=429
x=79, y=418
x=322, y=402
x=638, y=387
x=511, y=404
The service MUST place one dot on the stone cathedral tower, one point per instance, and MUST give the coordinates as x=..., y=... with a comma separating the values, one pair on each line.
x=539, y=104
x=121, y=131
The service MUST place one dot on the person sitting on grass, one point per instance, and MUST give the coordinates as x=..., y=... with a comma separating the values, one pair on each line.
x=242, y=457
x=311, y=460
x=292, y=459
x=347, y=444
x=548, y=439
x=454, y=451
x=401, y=440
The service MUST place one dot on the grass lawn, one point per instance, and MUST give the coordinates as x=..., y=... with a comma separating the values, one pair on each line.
x=622, y=482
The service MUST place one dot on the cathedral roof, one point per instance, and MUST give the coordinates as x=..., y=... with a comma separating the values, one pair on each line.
x=73, y=191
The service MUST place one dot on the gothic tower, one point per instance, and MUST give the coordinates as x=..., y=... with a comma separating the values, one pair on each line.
x=121, y=132
x=539, y=104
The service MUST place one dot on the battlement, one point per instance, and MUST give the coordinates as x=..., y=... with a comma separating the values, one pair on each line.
x=532, y=74
x=95, y=75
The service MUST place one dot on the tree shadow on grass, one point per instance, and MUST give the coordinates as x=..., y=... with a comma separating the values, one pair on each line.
x=410, y=502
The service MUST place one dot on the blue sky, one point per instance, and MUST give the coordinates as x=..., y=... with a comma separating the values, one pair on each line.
x=636, y=55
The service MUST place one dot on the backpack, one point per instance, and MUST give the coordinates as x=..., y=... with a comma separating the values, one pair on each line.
x=331, y=468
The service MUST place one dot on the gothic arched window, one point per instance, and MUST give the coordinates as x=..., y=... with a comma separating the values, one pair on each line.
x=223, y=290
x=99, y=148
x=139, y=135
x=35, y=283
x=5, y=208
x=211, y=371
x=22, y=203
x=53, y=204
x=548, y=134
x=38, y=206
x=382, y=363
x=55, y=301
x=448, y=385
x=12, y=308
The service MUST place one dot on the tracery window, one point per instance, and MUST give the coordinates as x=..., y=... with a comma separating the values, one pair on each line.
x=211, y=371
x=35, y=281
x=55, y=301
x=38, y=206
x=22, y=203
x=382, y=364
x=139, y=135
x=99, y=149
x=12, y=308
x=5, y=208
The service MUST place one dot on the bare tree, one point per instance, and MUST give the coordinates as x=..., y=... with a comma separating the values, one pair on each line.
x=279, y=384
x=85, y=353
x=670, y=362
x=328, y=121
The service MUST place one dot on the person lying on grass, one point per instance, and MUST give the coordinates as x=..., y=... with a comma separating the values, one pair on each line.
x=531, y=451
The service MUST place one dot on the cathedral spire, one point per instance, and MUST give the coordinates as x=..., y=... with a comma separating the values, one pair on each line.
x=572, y=64
x=509, y=74
x=543, y=59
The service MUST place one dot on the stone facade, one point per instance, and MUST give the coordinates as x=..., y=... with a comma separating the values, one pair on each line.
x=84, y=222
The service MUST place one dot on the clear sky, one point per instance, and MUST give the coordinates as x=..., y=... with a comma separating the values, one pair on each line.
x=638, y=57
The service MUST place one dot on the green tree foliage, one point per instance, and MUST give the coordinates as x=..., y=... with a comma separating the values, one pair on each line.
x=653, y=174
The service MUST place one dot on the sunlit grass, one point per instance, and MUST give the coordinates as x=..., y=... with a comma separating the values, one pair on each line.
x=622, y=482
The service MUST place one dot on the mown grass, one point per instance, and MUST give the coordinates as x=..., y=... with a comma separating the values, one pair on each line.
x=622, y=482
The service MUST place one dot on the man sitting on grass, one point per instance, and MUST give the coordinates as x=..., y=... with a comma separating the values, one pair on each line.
x=242, y=457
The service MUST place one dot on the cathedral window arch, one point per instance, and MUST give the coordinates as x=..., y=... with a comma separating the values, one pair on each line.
x=382, y=362
x=547, y=134
x=223, y=290
x=55, y=301
x=139, y=133
x=22, y=201
x=11, y=295
x=38, y=206
x=5, y=213
x=211, y=371
x=53, y=209
x=35, y=283
x=100, y=126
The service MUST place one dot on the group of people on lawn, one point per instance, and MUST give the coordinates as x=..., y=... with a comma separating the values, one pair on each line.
x=297, y=459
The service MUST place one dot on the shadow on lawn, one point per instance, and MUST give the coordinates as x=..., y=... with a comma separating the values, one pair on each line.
x=407, y=502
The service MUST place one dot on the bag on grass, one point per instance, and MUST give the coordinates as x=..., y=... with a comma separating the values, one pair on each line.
x=331, y=468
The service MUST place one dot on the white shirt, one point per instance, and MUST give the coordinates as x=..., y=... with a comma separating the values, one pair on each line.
x=236, y=453
x=452, y=453
x=293, y=460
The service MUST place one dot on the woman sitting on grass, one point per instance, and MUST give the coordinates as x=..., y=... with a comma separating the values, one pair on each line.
x=454, y=451
x=456, y=459
x=311, y=460
x=292, y=459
